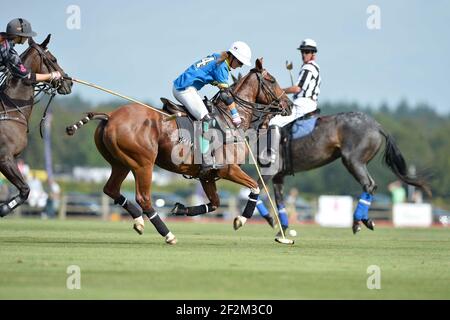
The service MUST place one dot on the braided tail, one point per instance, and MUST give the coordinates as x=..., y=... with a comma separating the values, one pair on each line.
x=70, y=130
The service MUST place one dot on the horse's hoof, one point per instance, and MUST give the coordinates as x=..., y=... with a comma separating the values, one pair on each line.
x=139, y=228
x=171, y=239
x=270, y=221
x=179, y=209
x=4, y=210
x=238, y=222
x=139, y=225
x=356, y=227
x=369, y=224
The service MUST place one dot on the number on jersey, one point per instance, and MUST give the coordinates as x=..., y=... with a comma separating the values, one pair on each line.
x=204, y=62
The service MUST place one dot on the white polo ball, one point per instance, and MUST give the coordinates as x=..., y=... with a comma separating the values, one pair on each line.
x=292, y=233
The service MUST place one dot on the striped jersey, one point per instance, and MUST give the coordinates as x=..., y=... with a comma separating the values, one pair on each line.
x=309, y=80
x=10, y=59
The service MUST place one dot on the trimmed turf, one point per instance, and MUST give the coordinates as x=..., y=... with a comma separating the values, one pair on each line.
x=212, y=261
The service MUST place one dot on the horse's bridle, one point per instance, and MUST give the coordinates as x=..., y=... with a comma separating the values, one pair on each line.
x=262, y=86
x=45, y=60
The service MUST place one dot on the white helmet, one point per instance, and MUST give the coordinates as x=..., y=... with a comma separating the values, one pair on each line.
x=242, y=52
x=308, y=44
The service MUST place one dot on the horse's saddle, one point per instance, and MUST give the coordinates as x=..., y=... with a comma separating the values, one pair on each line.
x=173, y=108
x=185, y=121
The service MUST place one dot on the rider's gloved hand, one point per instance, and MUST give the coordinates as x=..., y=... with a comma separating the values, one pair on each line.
x=236, y=119
x=55, y=75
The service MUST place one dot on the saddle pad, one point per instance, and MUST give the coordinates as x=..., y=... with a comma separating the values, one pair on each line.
x=185, y=135
x=301, y=128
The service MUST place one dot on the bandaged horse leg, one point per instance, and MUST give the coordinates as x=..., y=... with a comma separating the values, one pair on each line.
x=112, y=189
x=234, y=173
x=134, y=212
x=279, y=199
x=362, y=212
x=239, y=221
x=359, y=170
x=143, y=179
x=211, y=192
x=262, y=209
x=9, y=169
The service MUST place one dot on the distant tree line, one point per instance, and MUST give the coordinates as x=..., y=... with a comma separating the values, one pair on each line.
x=421, y=133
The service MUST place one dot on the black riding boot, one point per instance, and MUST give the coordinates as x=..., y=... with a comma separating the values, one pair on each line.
x=207, y=123
x=273, y=143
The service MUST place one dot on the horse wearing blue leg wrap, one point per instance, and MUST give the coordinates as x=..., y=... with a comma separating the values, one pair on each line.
x=362, y=212
x=282, y=213
x=362, y=209
x=264, y=212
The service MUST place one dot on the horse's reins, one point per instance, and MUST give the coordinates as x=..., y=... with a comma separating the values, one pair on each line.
x=40, y=88
x=46, y=88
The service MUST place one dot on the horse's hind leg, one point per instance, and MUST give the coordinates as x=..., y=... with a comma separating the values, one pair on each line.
x=112, y=189
x=262, y=209
x=143, y=179
x=279, y=199
x=361, y=174
x=9, y=169
x=209, y=186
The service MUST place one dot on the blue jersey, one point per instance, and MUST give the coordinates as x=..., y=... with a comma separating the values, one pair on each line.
x=204, y=71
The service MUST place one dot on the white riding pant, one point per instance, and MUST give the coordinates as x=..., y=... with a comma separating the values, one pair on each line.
x=301, y=107
x=192, y=101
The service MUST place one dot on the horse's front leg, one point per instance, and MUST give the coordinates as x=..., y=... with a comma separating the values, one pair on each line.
x=209, y=186
x=234, y=173
x=10, y=170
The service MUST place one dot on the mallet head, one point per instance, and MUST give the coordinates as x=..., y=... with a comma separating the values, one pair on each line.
x=289, y=65
x=284, y=240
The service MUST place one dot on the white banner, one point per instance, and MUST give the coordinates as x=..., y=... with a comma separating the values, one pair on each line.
x=335, y=211
x=412, y=215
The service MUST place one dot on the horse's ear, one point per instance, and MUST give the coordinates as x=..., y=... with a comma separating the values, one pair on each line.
x=259, y=64
x=44, y=44
x=31, y=41
x=239, y=76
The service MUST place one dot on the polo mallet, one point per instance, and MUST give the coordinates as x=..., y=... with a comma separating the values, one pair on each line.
x=290, y=66
x=169, y=116
x=283, y=239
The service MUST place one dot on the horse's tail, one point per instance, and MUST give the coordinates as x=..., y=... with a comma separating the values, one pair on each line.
x=70, y=130
x=393, y=158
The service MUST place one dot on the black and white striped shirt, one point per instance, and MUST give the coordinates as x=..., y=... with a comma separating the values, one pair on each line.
x=309, y=80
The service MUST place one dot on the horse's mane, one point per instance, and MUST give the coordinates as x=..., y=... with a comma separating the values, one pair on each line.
x=237, y=85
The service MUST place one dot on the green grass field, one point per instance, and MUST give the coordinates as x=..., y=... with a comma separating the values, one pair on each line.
x=212, y=261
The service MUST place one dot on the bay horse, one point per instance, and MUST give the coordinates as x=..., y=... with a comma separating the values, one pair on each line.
x=17, y=101
x=355, y=138
x=134, y=138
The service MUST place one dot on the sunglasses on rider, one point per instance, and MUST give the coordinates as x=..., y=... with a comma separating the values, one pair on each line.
x=307, y=51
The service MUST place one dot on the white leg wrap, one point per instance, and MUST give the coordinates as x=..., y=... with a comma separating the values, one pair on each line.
x=255, y=191
x=139, y=225
x=170, y=238
x=139, y=220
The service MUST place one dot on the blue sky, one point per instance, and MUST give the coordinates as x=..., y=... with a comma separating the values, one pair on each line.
x=139, y=47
